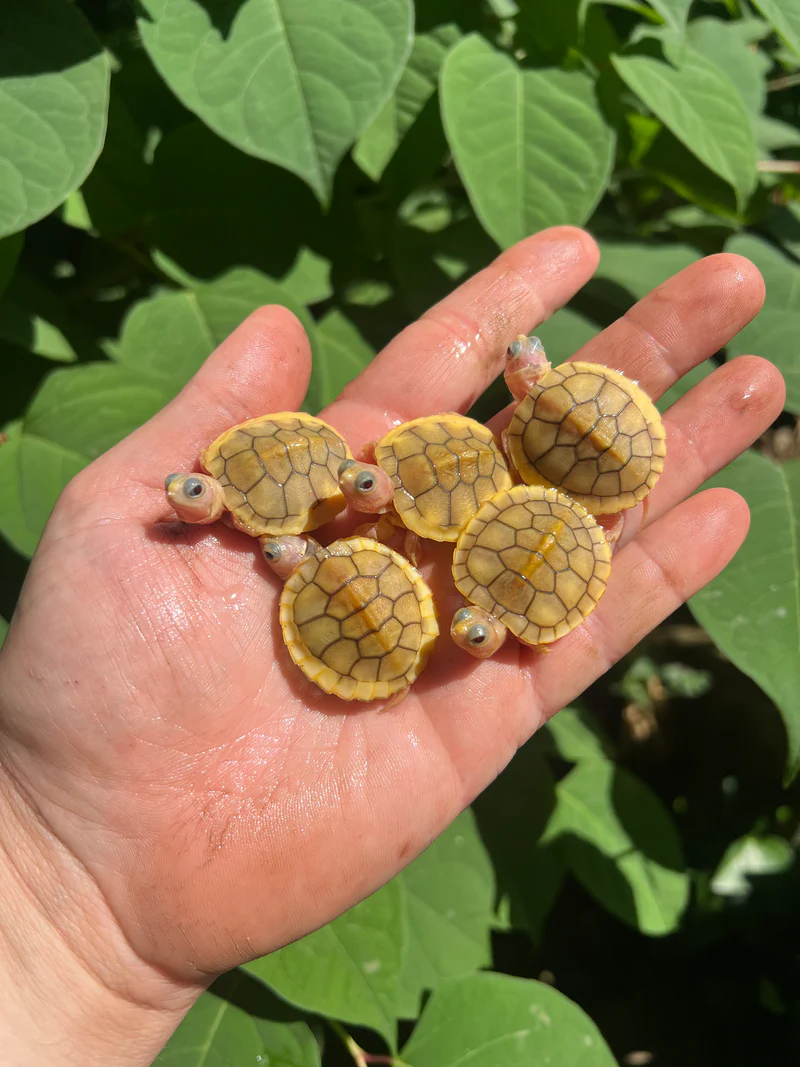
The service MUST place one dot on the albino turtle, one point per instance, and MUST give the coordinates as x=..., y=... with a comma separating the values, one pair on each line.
x=582, y=428
x=531, y=561
x=358, y=620
x=430, y=476
x=276, y=475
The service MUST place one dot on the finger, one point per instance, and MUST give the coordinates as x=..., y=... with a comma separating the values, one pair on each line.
x=263, y=366
x=680, y=323
x=707, y=429
x=652, y=576
x=447, y=358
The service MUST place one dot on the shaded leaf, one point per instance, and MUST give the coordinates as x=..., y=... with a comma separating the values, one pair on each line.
x=3, y=630
x=450, y=892
x=219, y=1032
x=695, y=102
x=417, y=85
x=619, y=841
x=631, y=269
x=784, y=15
x=33, y=473
x=292, y=83
x=752, y=609
x=494, y=1020
x=532, y=147
x=577, y=736
x=749, y=857
x=342, y=353
x=53, y=102
x=350, y=968
x=10, y=248
x=774, y=331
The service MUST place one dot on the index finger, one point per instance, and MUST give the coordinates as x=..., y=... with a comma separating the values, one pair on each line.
x=445, y=360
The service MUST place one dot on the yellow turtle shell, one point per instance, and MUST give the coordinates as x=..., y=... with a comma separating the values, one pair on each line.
x=442, y=468
x=535, y=559
x=591, y=432
x=358, y=619
x=279, y=473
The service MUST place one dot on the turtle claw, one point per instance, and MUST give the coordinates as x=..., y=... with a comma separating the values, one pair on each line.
x=412, y=548
x=397, y=699
x=612, y=526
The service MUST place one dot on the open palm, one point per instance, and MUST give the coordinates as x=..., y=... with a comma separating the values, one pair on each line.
x=209, y=800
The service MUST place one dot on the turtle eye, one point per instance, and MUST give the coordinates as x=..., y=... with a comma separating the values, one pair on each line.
x=272, y=551
x=478, y=634
x=365, y=482
x=462, y=615
x=193, y=487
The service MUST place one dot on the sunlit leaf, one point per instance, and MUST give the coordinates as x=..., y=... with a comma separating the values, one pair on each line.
x=785, y=17
x=532, y=146
x=494, y=1020
x=294, y=83
x=450, y=890
x=746, y=859
x=53, y=102
x=349, y=969
x=673, y=12
x=577, y=736
x=729, y=46
x=342, y=353
x=752, y=609
x=620, y=842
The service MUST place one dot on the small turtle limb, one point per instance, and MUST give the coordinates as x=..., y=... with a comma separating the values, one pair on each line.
x=526, y=364
x=195, y=498
x=283, y=554
x=412, y=547
x=477, y=632
x=612, y=526
x=397, y=699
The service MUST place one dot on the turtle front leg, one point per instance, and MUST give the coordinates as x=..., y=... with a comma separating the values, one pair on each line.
x=396, y=699
x=412, y=548
x=612, y=526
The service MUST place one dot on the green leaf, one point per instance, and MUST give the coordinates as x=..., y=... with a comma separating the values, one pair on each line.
x=342, y=353
x=53, y=102
x=674, y=13
x=32, y=474
x=308, y=280
x=532, y=147
x=450, y=891
x=774, y=331
x=747, y=857
x=494, y=1020
x=417, y=85
x=752, y=609
x=629, y=270
x=619, y=841
x=293, y=83
x=221, y=1032
x=577, y=736
x=350, y=968
x=10, y=248
x=695, y=102
x=784, y=15
x=24, y=329
x=565, y=333
x=3, y=630
x=729, y=46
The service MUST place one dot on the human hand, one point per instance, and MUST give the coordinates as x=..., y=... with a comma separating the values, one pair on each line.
x=199, y=801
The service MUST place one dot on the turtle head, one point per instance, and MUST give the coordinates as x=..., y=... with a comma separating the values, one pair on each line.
x=477, y=632
x=526, y=364
x=365, y=486
x=283, y=554
x=196, y=498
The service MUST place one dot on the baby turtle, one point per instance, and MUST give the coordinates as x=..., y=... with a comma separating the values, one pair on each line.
x=431, y=475
x=531, y=561
x=276, y=475
x=582, y=428
x=358, y=620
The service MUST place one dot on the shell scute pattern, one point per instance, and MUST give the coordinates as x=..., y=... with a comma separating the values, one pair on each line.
x=358, y=620
x=442, y=468
x=588, y=430
x=279, y=473
x=535, y=560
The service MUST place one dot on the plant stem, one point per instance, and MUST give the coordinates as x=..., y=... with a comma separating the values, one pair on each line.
x=779, y=166
x=360, y=1057
x=785, y=82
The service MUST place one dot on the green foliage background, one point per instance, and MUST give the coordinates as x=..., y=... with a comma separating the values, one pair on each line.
x=160, y=178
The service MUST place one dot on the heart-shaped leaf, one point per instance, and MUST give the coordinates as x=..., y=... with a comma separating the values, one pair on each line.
x=292, y=81
x=774, y=331
x=53, y=104
x=752, y=609
x=350, y=968
x=694, y=100
x=450, y=890
x=532, y=146
x=494, y=1020
x=619, y=841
